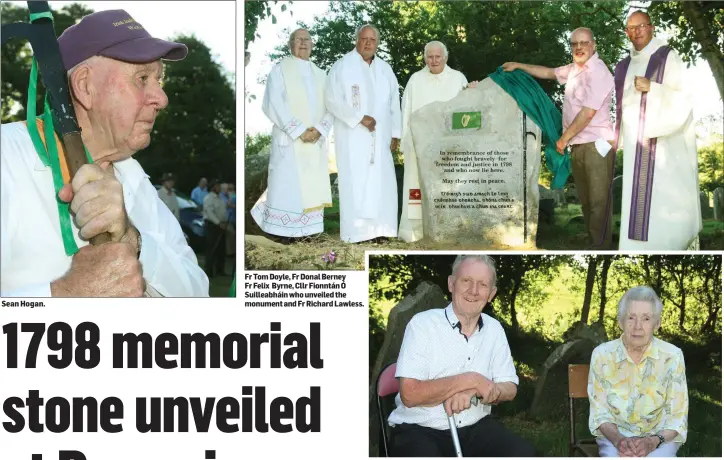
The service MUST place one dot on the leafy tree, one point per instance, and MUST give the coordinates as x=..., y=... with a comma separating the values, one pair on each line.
x=256, y=143
x=480, y=36
x=711, y=165
x=256, y=11
x=699, y=32
x=195, y=135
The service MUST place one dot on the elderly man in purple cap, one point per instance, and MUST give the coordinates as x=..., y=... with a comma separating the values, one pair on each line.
x=114, y=76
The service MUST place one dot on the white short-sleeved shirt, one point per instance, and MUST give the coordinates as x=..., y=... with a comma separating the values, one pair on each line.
x=434, y=347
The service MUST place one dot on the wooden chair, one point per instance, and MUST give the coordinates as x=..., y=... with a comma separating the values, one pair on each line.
x=386, y=389
x=577, y=389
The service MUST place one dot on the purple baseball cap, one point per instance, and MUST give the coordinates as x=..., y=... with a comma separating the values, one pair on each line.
x=114, y=34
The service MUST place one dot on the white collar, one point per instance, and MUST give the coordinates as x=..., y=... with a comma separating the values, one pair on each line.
x=649, y=49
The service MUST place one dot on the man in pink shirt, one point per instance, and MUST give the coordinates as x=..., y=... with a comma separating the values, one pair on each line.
x=587, y=128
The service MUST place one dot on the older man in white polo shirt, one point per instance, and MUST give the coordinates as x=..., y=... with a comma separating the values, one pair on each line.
x=449, y=357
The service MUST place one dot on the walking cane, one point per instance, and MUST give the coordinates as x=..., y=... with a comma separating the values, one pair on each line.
x=454, y=433
x=454, y=429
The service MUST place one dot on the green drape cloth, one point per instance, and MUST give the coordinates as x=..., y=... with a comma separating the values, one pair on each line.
x=536, y=104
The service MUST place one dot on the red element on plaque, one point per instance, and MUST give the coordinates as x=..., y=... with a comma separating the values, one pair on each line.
x=415, y=194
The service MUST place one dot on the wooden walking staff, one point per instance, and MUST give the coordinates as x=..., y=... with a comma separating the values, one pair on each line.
x=41, y=34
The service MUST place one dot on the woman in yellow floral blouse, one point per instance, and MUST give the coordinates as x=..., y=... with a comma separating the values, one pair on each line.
x=637, y=385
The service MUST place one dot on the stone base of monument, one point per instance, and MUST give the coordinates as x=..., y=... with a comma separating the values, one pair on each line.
x=479, y=160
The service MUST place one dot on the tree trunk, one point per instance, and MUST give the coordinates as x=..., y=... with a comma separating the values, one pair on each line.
x=705, y=36
x=590, y=279
x=513, y=315
x=682, y=292
x=712, y=277
x=604, y=278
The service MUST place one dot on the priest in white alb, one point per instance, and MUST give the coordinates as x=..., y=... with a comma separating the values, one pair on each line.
x=298, y=185
x=655, y=127
x=363, y=95
x=435, y=82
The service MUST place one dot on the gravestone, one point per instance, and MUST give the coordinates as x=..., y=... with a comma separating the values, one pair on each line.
x=550, y=390
x=572, y=195
x=706, y=211
x=479, y=160
x=546, y=205
x=719, y=204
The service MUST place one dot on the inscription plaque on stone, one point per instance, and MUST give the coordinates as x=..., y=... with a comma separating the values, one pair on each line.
x=478, y=157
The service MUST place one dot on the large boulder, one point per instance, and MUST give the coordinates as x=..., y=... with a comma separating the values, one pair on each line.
x=551, y=388
x=425, y=297
x=478, y=156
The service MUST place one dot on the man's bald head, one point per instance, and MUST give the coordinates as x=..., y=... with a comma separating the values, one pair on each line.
x=583, y=45
x=641, y=14
x=639, y=29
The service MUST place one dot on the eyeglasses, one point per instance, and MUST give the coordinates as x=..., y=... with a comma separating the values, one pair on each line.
x=302, y=40
x=632, y=29
x=581, y=43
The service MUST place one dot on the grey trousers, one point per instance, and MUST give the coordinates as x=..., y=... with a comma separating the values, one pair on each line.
x=607, y=449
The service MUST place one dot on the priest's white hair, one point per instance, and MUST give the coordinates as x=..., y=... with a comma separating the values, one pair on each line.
x=435, y=43
x=367, y=26
x=292, y=36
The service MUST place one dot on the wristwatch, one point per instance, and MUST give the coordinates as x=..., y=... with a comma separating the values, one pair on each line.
x=661, y=439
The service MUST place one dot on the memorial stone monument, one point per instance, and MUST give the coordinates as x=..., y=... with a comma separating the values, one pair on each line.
x=478, y=157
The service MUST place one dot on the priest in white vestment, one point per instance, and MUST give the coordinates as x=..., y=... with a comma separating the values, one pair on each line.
x=363, y=95
x=298, y=185
x=435, y=82
x=660, y=206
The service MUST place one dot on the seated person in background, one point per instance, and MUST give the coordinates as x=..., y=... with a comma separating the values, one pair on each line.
x=449, y=356
x=637, y=385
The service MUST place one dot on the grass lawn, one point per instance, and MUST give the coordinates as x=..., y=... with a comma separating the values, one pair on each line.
x=219, y=285
x=566, y=232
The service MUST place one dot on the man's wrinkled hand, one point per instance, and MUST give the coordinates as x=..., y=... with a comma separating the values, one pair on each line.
x=96, y=201
x=315, y=134
x=561, y=146
x=488, y=392
x=369, y=123
x=307, y=136
x=458, y=402
x=394, y=144
x=511, y=66
x=107, y=270
x=642, y=84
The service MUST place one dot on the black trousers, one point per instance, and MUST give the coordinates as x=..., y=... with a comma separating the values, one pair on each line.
x=214, y=250
x=486, y=438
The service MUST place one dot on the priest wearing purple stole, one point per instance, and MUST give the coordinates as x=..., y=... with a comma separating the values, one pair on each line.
x=656, y=129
